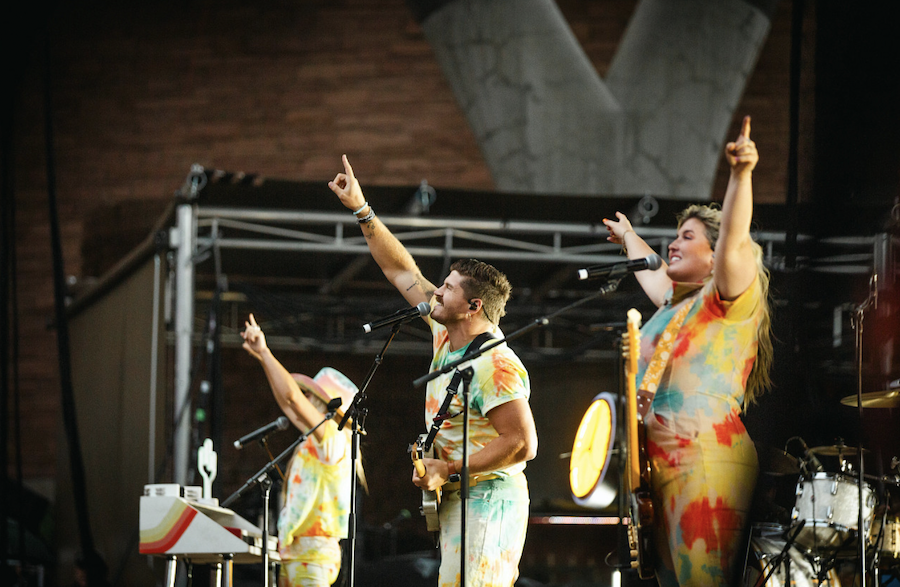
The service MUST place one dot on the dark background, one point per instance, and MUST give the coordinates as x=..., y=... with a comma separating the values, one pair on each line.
x=132, y=95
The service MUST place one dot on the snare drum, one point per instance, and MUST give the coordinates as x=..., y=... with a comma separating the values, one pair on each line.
x=764, y=556
x=889, y=544
x=829, y=504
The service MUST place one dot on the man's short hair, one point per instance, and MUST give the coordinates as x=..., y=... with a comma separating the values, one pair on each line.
x=482, y=280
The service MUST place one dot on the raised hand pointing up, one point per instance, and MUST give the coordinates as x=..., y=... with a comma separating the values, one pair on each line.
x=741, y=153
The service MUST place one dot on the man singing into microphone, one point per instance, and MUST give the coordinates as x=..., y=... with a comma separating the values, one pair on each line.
x=317, y=480
x=502, y=435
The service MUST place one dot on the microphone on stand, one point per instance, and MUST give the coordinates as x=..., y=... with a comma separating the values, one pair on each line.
x=609, y=270
x=810, y=457
x=280, y=424
x=407, y=315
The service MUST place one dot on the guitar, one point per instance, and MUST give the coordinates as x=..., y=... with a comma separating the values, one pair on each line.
x=637, y=475
x=431, y=500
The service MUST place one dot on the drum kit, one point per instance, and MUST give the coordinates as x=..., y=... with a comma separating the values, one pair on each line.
x=814, y=539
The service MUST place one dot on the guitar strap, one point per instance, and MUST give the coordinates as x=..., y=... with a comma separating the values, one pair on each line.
x=662, y=354
x=451, y=391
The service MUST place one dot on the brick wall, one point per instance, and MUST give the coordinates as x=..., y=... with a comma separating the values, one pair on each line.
x=140, y=92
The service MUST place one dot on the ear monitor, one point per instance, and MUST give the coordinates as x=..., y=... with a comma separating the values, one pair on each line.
x=473, y=305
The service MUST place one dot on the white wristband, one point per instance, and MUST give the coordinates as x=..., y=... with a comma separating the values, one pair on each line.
x=361, y=208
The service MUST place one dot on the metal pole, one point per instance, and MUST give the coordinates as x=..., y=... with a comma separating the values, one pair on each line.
x=154, y=358
x=182, y=238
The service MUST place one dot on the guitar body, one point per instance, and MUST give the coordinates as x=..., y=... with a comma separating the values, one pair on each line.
x=637, y=477
x=431, y=500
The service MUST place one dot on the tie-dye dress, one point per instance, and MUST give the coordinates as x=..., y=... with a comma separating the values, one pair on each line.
x=497, y=509
x=704, y=462
x=316, y=509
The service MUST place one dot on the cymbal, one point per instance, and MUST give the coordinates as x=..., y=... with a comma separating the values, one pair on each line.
x=889, y=398
x=777, y=462
x=836, y=450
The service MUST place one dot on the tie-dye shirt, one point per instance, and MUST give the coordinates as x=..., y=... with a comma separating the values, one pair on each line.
x=712, y=356
x=317, y=500
x=499, y=377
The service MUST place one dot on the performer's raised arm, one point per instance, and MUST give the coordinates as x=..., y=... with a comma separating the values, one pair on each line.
x=395, y=261
x=735, y=268
x=654, y=283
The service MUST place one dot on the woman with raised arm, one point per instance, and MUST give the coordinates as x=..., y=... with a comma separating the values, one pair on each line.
x=317, y=481
x=705, y=354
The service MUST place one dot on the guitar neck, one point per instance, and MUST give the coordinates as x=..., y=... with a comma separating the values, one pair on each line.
x=420, y=468
x=634, y=466
x=631, y=417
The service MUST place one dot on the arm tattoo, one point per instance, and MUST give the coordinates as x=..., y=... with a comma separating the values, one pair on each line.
x=421, y=281
x=371, y=226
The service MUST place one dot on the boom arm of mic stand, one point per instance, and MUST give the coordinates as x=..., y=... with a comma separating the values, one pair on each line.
x=360, y=395
x=264, y=472
x=609, y=287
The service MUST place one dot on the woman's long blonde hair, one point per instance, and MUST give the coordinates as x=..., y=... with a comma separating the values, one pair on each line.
x=759, y=380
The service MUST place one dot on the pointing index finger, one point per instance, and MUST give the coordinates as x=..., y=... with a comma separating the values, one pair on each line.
x=745, y=128
x=347, y=169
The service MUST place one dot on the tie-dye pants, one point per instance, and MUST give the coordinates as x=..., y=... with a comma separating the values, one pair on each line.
x=310, y=561
x=703, y=480
x=497, y=519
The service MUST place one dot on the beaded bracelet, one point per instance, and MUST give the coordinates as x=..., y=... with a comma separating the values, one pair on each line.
x=367, y=217
x=361, y=208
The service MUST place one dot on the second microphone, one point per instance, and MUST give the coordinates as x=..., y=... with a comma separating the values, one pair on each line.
x=613, y=270
x=401, y=316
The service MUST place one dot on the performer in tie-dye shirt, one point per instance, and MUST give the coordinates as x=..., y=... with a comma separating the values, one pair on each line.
x=704, y=464
x=317, y=479
x=471, y=301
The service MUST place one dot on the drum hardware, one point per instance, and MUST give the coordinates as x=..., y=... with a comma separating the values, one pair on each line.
x=781, y=563
x=886, y=539
x=782, y=559
x=888, y=479
x=839, y=450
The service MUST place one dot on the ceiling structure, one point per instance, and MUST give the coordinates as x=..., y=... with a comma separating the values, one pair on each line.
x=290, y=253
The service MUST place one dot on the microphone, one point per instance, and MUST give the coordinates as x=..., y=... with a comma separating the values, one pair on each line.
x=611, y=270
x=280, y=424
x=334, y=404
x=810, y=457
x=401, y=316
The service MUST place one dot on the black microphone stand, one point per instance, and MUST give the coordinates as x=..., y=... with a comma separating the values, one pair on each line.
x=857, y=322
x=263, y=479
x=466, y=375
x=357, y=413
